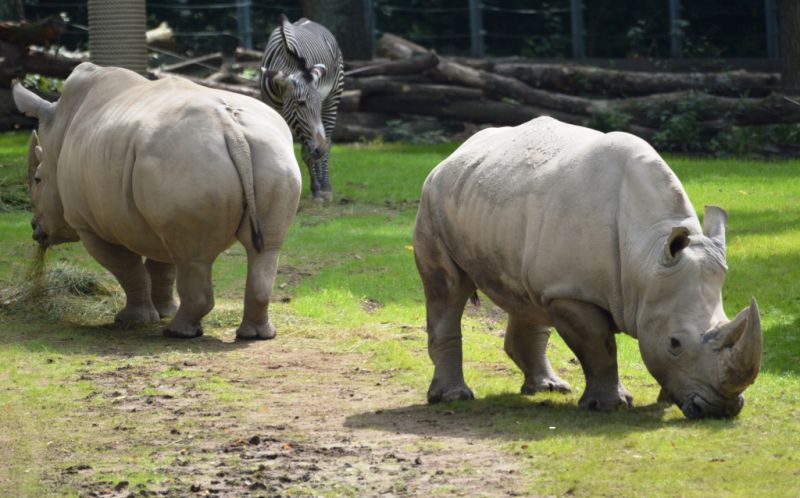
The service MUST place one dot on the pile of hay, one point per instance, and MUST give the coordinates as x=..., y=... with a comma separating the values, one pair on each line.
x=56, y=292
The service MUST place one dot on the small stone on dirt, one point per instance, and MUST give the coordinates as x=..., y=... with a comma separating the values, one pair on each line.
x=195, y=488
x=255, y=440
x=121, y=485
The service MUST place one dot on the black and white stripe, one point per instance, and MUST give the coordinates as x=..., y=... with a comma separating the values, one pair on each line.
x=306, y=95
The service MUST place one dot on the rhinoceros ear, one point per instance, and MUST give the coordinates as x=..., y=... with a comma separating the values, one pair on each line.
x=714, y=220
x=677, y=241
x=31, y=104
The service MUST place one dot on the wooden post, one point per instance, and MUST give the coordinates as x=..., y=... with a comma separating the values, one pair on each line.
x=576, y=28
x=675, y=29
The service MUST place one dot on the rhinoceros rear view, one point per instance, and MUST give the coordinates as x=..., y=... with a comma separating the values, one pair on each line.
x=168, y=170
x=594, y=234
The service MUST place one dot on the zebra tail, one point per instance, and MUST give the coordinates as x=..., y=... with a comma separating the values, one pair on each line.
x=239, y=150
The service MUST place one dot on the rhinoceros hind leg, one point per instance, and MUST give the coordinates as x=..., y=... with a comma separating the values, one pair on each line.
x=589, y=332
x=162, y=279
x=447, y=289
x=261, y=270
x=526, y=344
x=129, y=271
x=197, y=299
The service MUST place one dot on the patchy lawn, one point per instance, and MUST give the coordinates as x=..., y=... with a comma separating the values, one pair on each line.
x=335, y=405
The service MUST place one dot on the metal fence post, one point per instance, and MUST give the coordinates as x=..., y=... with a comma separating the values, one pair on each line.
x=675, y=29
x=243, y=23
x=476, y=27
x=771, y=19
x=576, y=28
x=369, y=24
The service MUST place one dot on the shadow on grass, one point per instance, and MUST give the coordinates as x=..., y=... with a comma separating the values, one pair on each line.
x=514, y=417
x=106, y=339
x=762, y=222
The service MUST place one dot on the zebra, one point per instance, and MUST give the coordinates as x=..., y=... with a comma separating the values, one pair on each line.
x=302, y=77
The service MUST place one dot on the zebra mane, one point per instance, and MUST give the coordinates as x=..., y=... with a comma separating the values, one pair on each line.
x=290, y=45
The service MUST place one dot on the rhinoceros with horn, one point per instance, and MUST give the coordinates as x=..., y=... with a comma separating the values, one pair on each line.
x=168, y=171
x=592, y=233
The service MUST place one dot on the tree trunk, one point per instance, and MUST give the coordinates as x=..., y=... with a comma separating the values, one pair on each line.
x=789, y=18
x=346, y=19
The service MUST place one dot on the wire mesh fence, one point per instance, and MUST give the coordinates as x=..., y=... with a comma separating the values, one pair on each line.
x=529, y=28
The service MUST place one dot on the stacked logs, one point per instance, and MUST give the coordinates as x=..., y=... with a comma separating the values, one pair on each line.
x=413, y=90
x=413, y=82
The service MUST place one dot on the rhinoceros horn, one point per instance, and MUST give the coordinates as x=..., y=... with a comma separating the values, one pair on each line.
x=738, y=343
x=34, y=156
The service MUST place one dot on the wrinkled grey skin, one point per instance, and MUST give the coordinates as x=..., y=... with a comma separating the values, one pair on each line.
x=592, y=233
x=168, y=171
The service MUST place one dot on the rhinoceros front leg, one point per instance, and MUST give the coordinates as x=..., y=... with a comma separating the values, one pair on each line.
x=261, y=270
x=129, y=271
x=526, y=344
x=197, y=299
x=589, y=332
x=162, y=282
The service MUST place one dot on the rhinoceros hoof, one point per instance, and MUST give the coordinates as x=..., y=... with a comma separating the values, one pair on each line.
x=251, y=331
x=462, y=393
x=141, y=314
x=606, y=402
x=545, y=384
x=167, y=310
x=183, y=331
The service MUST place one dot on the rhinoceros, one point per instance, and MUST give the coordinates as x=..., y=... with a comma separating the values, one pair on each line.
x=564, y=226
x=168, y=171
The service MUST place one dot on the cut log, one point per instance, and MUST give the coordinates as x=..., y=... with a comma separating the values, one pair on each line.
x=397, y=48
x=505, y=87
x=24, y=34
x=251, y=90
x=474, y=111
x=382, y=85
x=412, y=65
x=574, y=80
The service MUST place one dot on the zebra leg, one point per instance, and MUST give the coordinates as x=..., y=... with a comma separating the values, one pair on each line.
x=313, y=171
x=324, y=182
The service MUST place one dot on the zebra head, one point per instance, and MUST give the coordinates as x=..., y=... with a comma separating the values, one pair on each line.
x=302, y=105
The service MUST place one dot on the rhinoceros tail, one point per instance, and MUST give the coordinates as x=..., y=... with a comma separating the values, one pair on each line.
x=474, y=299
x=239, y=150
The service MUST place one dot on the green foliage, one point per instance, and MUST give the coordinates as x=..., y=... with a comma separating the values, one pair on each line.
x=610, y=121
x=749, y=140
x=44, y=83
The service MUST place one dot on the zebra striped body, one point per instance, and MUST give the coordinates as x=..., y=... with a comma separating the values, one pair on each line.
x=302, y=78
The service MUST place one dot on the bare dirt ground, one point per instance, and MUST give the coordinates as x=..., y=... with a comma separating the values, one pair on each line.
x=309, y=422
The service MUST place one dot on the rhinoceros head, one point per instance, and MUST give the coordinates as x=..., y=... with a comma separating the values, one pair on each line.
x=49, y=226
x=702, y=360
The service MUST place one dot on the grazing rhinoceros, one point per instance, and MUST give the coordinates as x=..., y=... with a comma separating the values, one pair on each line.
x=592, y=233
x=166, y=170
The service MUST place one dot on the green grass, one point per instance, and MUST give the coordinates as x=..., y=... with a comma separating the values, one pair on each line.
x=358, y=291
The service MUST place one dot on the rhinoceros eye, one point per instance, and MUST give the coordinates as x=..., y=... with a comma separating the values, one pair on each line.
x=675, y=347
